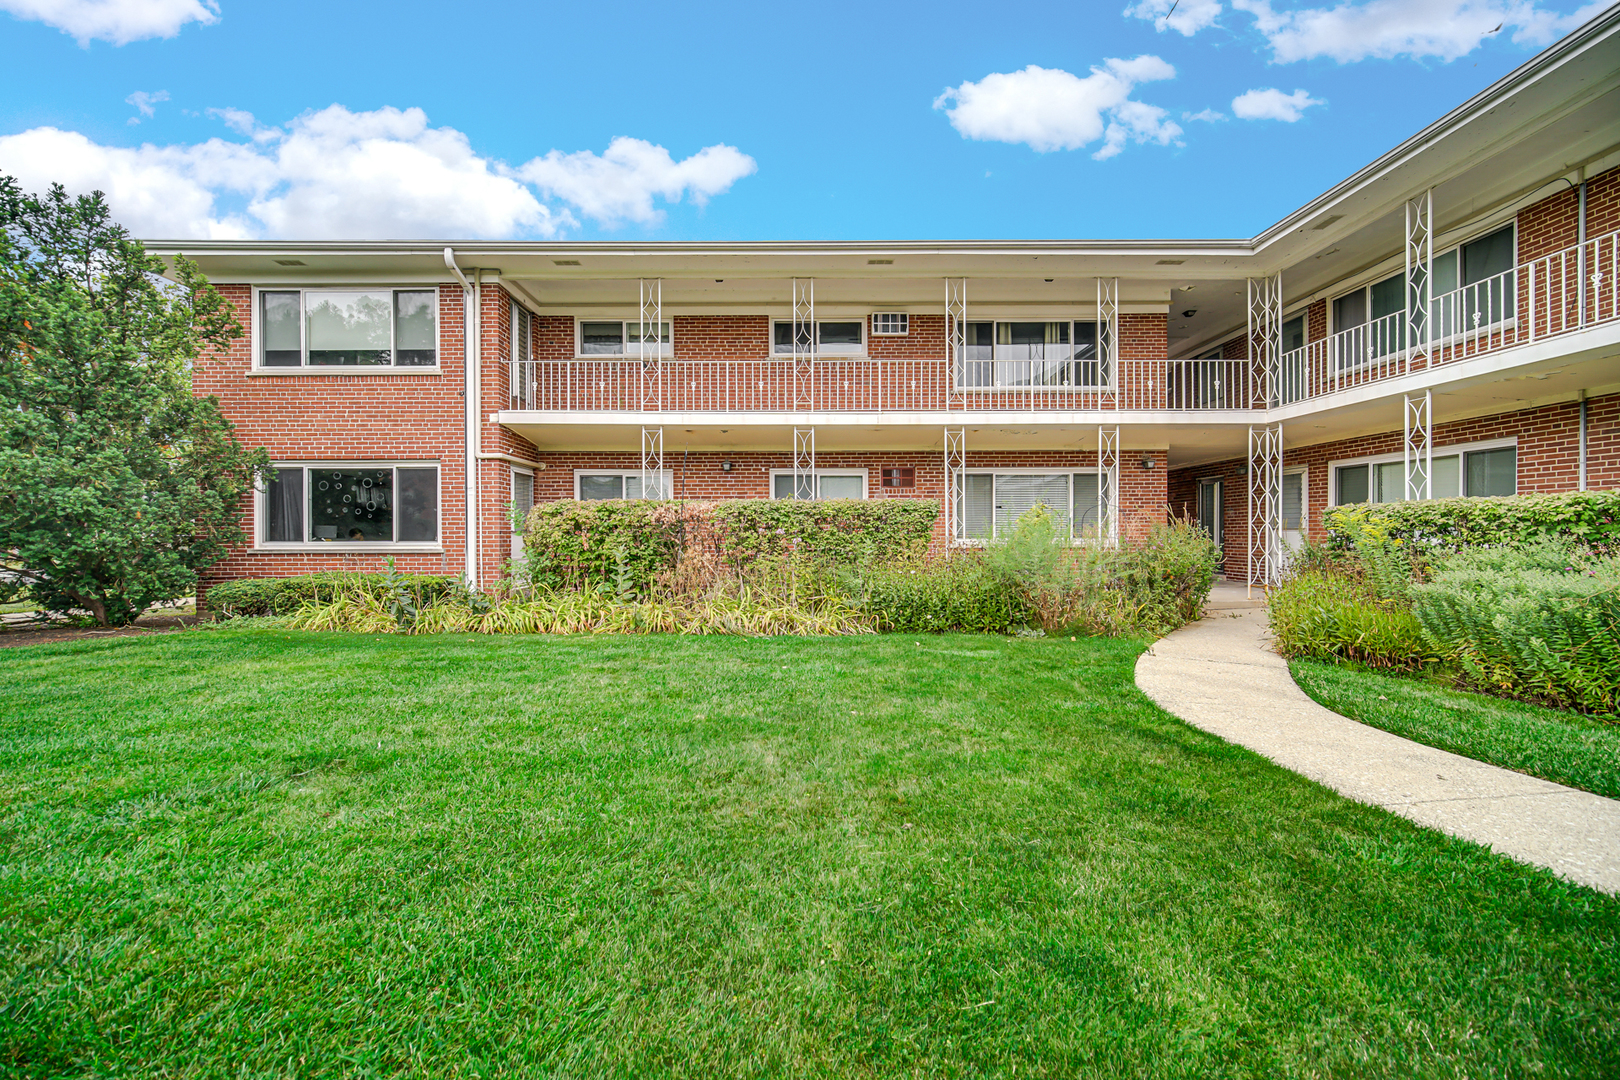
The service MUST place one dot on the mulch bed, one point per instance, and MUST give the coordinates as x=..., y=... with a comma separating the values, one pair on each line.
x=13, y=635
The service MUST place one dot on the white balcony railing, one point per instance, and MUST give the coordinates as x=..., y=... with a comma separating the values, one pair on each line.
x=1556, y=294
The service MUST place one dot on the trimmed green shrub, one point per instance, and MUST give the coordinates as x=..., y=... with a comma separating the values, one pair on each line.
x=283, y=596
x=1333, y=617
x=1588, y=518
x=959, y=593
x=1541, y=622
x=570, y=543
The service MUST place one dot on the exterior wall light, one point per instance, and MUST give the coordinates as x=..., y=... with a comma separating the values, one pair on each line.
x=1147, y=463
x=726, y=466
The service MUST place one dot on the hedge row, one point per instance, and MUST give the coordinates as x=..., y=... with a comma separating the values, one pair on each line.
x=570, y=542
x=283, y=596
x=1588, y=518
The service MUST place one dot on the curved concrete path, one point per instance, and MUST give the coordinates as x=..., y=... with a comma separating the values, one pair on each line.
x=1219, y=674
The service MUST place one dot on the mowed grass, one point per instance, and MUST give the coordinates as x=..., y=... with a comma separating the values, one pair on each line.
x=1554, y=744
x=258, y=853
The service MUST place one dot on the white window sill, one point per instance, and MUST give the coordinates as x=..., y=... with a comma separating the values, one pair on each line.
x=350, y=372
x=351, y=548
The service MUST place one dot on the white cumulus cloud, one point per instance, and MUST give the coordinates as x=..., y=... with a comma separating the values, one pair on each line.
x=117, y=21
x=620, y=183
x=1384, y=29
x=337, y=174
x=1272, y=105
x=1186, y=17
x=1051, y=109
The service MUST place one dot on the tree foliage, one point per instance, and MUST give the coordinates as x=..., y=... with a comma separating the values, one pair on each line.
x=116, y=484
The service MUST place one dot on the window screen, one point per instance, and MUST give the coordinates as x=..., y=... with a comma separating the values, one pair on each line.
x=601, y=339
x=522, y=492
x=601, y=487
x=1088, y=509
x=1493, y=472
x=976, y=507
x=279, y=326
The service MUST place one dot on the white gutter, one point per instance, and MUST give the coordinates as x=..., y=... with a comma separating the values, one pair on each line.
x=471, y=306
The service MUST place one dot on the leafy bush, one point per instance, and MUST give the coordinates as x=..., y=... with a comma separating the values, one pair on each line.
x=1590, y=519
x=1542, y=621
x=570, y=543
x=1334, y=617
x=283, y=596
x=958, y=593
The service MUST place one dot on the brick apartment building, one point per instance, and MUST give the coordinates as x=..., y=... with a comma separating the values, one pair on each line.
x=1445, y=322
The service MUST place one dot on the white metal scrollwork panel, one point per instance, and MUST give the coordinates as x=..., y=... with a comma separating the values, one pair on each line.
x=956, y=330
x=1417, y=448
x=955, y=462
x=804, y=463
x=1108, y=333
x=805, y=343
x=652, y=463
x=1265, y=340
x=1108, y=485
x=1419, y=281
x=651, y=353
x=1265, y=561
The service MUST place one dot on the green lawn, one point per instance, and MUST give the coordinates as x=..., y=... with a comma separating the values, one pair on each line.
x=1561, y=746
x=259, y=853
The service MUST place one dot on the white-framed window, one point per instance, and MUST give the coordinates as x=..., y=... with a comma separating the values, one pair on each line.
x=891, y=324
x=520, y=380
x=591, y=485
x=351, y=504
x=1482, y=468
x=328, y=328
x=834, y=337
x=823, y=484
x=1034, y=353
x=621, y=337
x=1473, y=288
x=989, y=502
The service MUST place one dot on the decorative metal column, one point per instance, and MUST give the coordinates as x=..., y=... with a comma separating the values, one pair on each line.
x=1417, y=449
x=805, y=342
x=956, y=335
x=955, y=462
x=1107, y=334
x=652, y=463
x=1418, y=332
x=1108, y=485
x=1265, y=339
x=652, y=363
x=1265, y=505
x=804, y=463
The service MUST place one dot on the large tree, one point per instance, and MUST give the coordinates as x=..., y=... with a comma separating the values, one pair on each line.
x=116, y=484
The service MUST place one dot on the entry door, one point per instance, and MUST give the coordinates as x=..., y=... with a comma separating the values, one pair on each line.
x=1293, y=509
x=1209, y=509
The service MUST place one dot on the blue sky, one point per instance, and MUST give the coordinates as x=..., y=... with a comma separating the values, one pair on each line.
x=733, y=121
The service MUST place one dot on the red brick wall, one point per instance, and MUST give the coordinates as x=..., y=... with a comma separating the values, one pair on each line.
x=359, y=417
x=1548, y=461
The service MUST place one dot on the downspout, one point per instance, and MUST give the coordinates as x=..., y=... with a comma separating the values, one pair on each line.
x=471, y=354
x=1582, y=451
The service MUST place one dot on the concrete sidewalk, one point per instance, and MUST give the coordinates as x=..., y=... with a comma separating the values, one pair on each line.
x=1220, y=675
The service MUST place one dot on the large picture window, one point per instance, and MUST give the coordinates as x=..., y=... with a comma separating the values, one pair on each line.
x=1030, y=354
x=989, y=504
x=352, y=504
x=1457, y=471
x=594, y=486
x=326, y=328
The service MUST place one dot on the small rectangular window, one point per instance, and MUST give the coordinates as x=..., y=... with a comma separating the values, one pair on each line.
x=416, y=328
x=1352, y=484
x=624, y=338
x=820, y=485
x=891, y=323
x=279, y=325
x=899, y=476
x=595, y=486
x=1493, y=472
x=522, y=493
x=284, y=507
